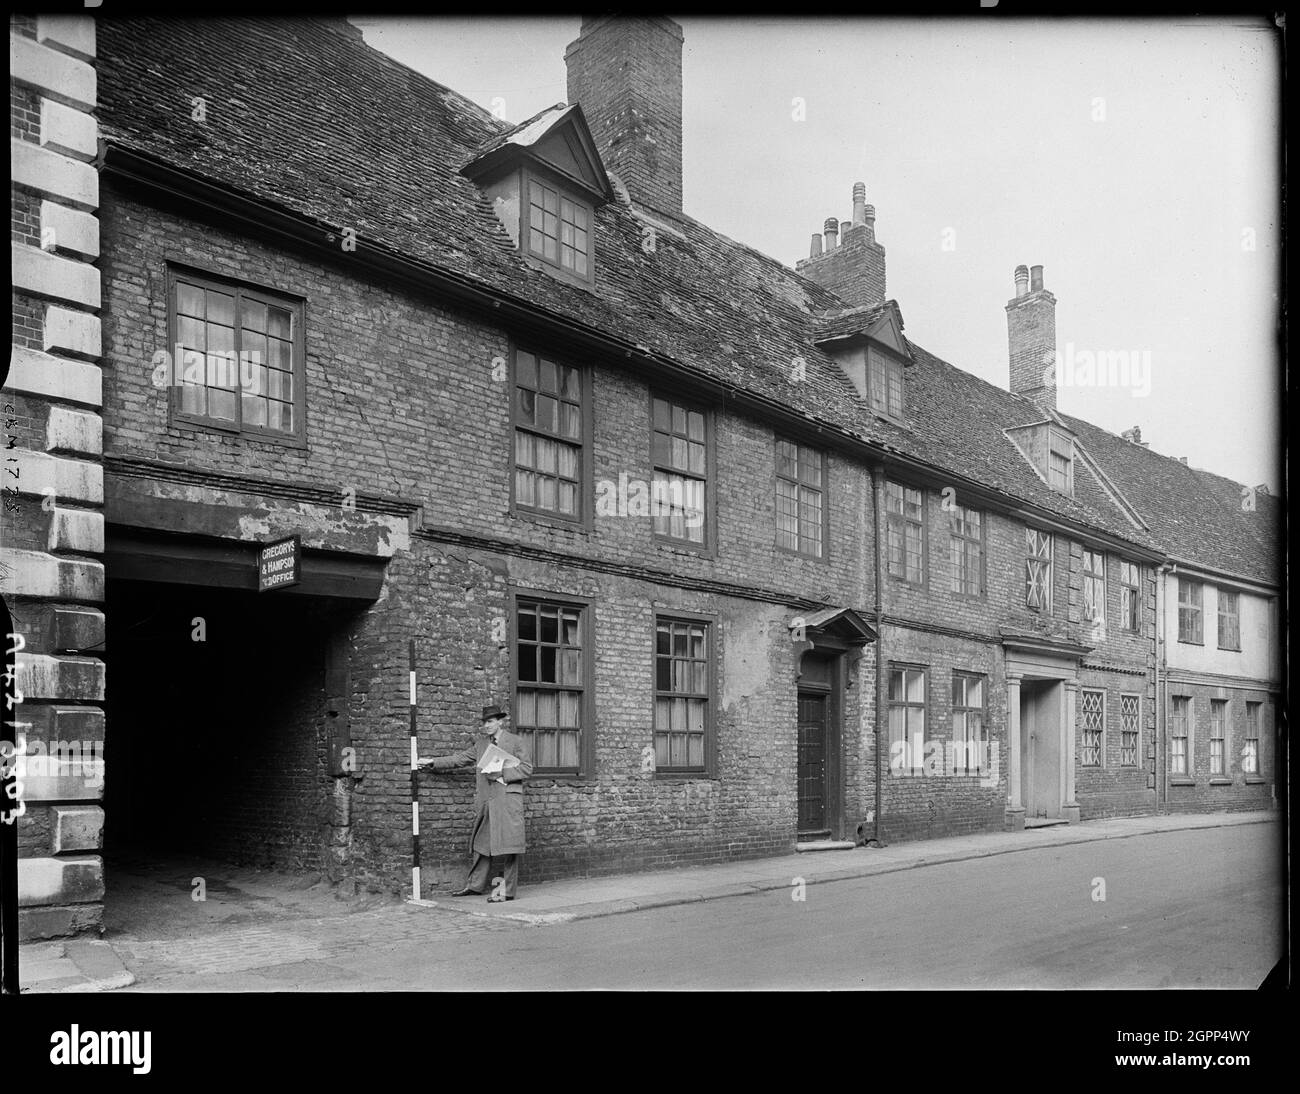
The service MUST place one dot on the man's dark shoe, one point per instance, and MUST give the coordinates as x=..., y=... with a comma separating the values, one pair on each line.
x=499, y=899
x=468, y=892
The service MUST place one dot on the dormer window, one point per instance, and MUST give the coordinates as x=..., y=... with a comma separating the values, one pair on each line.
x=1060, y=463
x=559, y=228
x=885, y=383
x=545, y=182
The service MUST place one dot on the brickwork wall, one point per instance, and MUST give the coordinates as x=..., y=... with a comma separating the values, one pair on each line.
x=1234, y=789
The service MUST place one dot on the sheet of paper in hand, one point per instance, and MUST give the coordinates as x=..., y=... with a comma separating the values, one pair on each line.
x=494, y=760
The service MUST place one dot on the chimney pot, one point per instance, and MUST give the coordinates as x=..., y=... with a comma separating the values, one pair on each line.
x=1022, y=280
x=1031, y=339
x=1133, y=435
x=844, y=229
x=1262, y=488
x=869, y=215
x=1182, y=460
x=1035, y=278
x=832, y=229
x=859, y=203
x=816, y=248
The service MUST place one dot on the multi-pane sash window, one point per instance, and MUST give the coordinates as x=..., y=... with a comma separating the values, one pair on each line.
x=1130, y=714
x=1092, y=726
x=905, y=512
x=680, y=455
x=238, y=354
x=906, y=721
x=1094, y=586
x=550, y=683
x=548, y=436
x=1179, y=730
x=1038, y=569
x=559, y=229
x=681, y=694
x=970, y=739
x=1218, y=733
x=966, y=526
x=1229, y=620
x=885, y=383
x=1250, y=748
x=1129, y=600
x=800, y=498
x=1190, y=594
x=1058, y=469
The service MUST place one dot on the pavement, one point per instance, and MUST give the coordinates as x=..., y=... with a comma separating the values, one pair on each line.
x=271, y=920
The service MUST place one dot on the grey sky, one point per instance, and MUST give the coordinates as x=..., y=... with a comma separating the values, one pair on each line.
x=1137, y=161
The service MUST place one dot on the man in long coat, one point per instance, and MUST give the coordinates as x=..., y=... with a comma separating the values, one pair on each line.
x=497, y=838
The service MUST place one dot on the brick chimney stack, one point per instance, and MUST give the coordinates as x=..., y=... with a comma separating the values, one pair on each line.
x=626, y=74
x=851, y=263
x=1031, y=335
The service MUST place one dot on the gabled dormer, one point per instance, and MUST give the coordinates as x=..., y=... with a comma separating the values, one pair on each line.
x=868, y=344
x=545, y=180
x=1050, y=446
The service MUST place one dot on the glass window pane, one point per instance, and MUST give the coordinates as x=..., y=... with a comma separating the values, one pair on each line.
x=221, y=404
x=191, y=333
x=221, y=308
x=254, y=410
x=253, y=347
x=662, y=415
x=547, y=375
x=254, y=317
x=189, y=299
x=547, y=413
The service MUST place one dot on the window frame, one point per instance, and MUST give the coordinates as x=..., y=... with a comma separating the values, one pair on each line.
x=1254, y=709
x=1032, y=559
x=585, y=518
x=896, y=366
x=1135, y=732
x=1235, y=616
x=1186, y=584
x=924, y=704
x=823, y=490
x=1091, y=579
x=586, y=706
x=1092, y=739
x=530, y=173
x=708, y=548
x=710, y=621
x=983, y=710
x=1130, y=596
x=1060, y=445
x=959, y=513
x=1188, y=726
x=903, y=521
x=177, y=418
x=1223, y=767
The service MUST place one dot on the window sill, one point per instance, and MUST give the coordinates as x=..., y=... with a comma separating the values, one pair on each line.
x=1230, y=649
x=682, y=547
x=565, y=523
x=1256, y=780
x=1190, y=642
x=1219, y=780
x=285, y=440
x=679, y=776
x=1181, y=780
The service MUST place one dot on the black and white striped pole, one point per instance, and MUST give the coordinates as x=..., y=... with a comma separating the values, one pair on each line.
x=415, y=792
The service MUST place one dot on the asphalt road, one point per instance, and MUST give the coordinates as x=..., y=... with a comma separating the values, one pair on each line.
x=1187, y=909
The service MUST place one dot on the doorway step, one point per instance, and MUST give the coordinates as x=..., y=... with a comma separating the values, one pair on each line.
x=1044, y=822
x=809, y=841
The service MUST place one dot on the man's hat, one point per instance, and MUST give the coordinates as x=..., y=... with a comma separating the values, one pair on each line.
x=493, y=711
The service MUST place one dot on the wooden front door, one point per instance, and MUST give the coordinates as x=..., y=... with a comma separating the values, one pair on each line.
x=812, y=762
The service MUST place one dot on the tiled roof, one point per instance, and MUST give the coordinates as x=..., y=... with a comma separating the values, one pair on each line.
x=1195, y=516
x=306, y=118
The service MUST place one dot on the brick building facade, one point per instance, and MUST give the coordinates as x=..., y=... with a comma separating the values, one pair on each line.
x=749, y=567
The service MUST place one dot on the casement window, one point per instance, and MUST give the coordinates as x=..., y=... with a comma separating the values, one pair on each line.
x=1130, y=726
x=906, y=721
x=682, y=725
x=1092, y=726
x=1250, y=747
x=885, y=388
x=1038, y=570
x=970, y=738
x=1190, y=595
x=905, y=532
x=800, y=499
x=680, y=455
x=237, y=357
x=552, y=656
x=558, y=229
x=1218, y=735
x=549, y=433
x=1180, y=734
x=1130, y=598
x=1060, y=463
x=1229, y=620
x=1094, y=586
x=967, y=529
